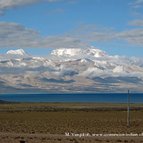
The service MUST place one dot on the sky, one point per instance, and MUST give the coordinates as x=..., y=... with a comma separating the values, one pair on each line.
x=37, y=26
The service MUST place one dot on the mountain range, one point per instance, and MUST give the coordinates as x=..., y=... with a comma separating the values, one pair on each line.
x=69, y=70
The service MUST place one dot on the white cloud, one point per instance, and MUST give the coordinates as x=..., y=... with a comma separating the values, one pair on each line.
x=134, y=36
x=16, y=35
x=136, y=23
x=62, y=42
x=137, y=3
x=6, y=4
x=90, y=33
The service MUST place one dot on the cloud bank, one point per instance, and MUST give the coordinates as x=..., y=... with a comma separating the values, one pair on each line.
x=136, y=23
x=92, y=33
x=16, y=35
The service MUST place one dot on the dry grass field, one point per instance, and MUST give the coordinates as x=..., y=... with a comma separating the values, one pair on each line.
x=48, y=122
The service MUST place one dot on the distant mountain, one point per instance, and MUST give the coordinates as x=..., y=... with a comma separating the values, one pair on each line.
x=70, y=70
x=78, y=53
x=20, y=52
x=14, y=54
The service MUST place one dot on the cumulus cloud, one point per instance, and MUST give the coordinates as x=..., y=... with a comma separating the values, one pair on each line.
x=16, y=35
x=136, y=23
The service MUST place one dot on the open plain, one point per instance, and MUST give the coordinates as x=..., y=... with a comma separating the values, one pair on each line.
x=48, y=122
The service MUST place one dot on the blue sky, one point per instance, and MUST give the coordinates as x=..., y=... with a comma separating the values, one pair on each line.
x=115, y=26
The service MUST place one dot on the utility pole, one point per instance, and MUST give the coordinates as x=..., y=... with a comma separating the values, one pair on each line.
x=128, y=109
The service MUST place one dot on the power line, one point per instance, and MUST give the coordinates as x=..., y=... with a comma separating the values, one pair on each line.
x=128, y=109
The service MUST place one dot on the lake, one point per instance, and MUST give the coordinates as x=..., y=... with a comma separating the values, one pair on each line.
x=85, y=97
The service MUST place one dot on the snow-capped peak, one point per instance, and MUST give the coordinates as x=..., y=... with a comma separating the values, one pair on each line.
x=72, y=52
x=66, y=52
x=95, y=52
x=20, y=52
x=76, y=69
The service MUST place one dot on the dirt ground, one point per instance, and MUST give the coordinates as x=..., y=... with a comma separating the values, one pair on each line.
x=48, y=122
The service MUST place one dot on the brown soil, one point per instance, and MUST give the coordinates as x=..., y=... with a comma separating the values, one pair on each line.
x=47, y=123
